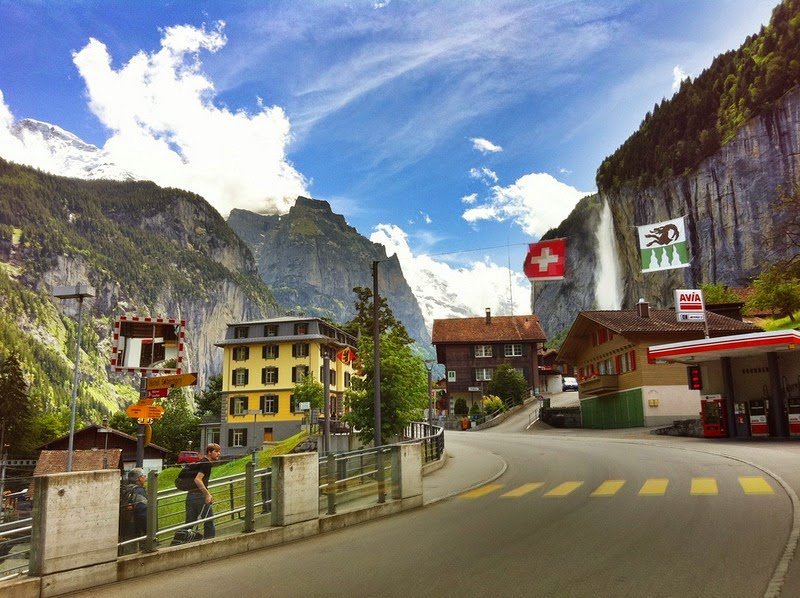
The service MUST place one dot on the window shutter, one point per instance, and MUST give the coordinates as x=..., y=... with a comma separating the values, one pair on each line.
x=230, y=406
x=262, y=402
x=291, y=403
x=244, y=437
x=294, y=350
x=277, y=351
x=618, y=364
x=294, y=371
x=277, y=403
x=246, y=377
x=230, y=437
x=263, y=375
x=633, y=360
x=246, y=353
x=233, y=378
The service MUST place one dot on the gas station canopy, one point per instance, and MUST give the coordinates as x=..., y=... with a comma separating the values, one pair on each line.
x=739, y=345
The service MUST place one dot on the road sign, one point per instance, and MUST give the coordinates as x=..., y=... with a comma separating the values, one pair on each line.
x=174, y=381
x=145, y=411
x=157, y=393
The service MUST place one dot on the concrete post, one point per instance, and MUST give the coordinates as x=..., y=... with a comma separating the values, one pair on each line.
x=295, y=488
x=407, y=474
x=75, y=527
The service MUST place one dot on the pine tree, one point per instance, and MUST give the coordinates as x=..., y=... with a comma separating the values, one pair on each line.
x=15, y=408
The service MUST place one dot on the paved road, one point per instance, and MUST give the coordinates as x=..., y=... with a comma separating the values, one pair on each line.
x=548, y=513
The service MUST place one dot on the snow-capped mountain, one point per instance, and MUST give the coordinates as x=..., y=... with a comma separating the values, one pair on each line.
x=52, y=149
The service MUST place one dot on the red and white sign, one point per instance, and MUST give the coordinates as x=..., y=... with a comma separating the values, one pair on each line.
x=546, y=260
x=689, y=305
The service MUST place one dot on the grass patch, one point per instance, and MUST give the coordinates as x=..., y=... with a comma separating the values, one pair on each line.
x=780, y=323
x=226, y=497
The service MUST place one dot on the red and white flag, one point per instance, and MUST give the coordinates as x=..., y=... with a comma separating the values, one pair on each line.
x=546, y=260
x=346, y=355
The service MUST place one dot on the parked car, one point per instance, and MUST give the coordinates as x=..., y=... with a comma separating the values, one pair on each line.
x=569, y=383
x=188, y=457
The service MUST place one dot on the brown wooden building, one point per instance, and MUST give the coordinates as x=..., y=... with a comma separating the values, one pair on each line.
x=472, y=348
x=92, y=438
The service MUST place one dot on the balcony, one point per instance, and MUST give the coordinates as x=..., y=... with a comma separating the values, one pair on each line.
x=599, y=384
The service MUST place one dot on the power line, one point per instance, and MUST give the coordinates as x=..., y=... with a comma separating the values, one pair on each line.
x=473, y=250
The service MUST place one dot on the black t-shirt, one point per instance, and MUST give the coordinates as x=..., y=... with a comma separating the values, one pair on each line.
x=202, y=466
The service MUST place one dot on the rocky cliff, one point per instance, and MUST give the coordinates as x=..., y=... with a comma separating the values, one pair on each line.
x=311, y=259
x=731, y=206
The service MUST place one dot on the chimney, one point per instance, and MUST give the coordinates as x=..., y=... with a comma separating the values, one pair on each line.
x=643, y=308
x=488, y=316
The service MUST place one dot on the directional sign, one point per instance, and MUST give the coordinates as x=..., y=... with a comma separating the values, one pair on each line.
x=174, y=381
x=145, y=411
x=157, y=393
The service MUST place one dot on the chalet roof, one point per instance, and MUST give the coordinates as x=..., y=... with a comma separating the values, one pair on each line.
x=498, y=329
x=664, y=321
x=113, y=432
x=661, y=322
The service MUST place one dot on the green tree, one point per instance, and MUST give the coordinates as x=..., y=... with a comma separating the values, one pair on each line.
x=404, y=387
x=309, y=390
x=16, y=411
x=718, y=293
x=120, y=421
x=362, y=323
x=178, y=427
x=778, y=289
x=209, y=401
x=50, y=425
x=508, y=384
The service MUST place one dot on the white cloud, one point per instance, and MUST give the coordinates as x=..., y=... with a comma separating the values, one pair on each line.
x=443, y=291
x=536, y=202
x=165, y=126
x=483, y=174
x=678, y=75
x=470, y=199
x=485, y=146
x=426, y=217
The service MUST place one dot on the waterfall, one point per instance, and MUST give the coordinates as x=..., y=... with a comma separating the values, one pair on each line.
x=608, y=284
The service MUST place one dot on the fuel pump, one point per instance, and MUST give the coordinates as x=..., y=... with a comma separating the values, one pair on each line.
x=758, y=418
x=714, y=416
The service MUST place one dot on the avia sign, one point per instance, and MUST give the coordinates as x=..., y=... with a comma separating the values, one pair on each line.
x=689, y=305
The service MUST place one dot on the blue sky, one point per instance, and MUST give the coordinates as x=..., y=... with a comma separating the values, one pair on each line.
x=431, y=126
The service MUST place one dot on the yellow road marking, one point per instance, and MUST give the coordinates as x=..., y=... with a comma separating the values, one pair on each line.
x=608, y=488
x=564, y=489
x=522, y=490
x=755, y=485
x=654, y=487
x=482, y=491
x=704, y=487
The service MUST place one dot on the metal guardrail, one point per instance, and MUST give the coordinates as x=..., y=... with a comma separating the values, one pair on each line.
x=243, y=502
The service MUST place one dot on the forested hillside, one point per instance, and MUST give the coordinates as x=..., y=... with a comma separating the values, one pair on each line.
x=145, y=249
x=708, y=111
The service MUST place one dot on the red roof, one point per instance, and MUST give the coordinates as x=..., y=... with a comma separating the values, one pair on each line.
x=496, y=329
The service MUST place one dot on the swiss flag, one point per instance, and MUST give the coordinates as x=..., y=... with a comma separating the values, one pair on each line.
x=546, y=260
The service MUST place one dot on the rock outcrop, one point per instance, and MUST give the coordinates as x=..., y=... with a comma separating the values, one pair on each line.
x=312, y=259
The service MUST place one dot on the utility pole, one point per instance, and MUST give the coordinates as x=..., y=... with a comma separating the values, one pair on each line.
x=377, y=379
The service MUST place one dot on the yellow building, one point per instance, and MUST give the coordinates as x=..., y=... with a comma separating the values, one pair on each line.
x=262, y=362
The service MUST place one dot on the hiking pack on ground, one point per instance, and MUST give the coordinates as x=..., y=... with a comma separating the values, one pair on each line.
x=185, y=479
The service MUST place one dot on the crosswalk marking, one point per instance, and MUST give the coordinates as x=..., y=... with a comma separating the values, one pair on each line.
x=755, y=485
x=700, y=486
x=482, y=491
x=522, y=490
x=564, y=489
x=608, y=488
x=704, y=487
x=654, y=487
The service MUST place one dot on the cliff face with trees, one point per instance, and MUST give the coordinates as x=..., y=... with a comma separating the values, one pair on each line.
x=145, y=249
x=721, y=152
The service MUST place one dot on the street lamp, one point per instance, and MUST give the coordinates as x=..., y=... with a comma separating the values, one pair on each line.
x=254, y=413
x=79, y=292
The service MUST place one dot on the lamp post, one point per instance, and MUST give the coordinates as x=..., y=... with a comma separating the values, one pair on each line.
x=105, y=430
x=79, y=292
x=254, y=413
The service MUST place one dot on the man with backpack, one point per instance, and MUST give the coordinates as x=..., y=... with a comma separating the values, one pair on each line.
x=133, y=508
x=198, y=498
